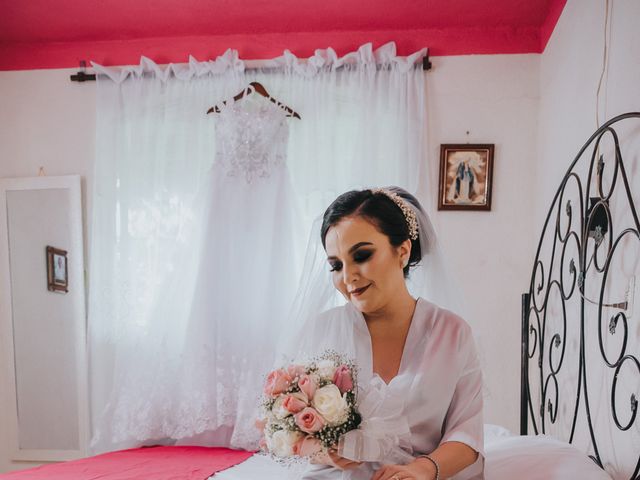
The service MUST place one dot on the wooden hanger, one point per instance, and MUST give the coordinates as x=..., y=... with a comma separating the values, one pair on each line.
x=257, y=87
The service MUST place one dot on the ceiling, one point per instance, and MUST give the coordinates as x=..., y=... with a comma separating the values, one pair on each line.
x=38, y=34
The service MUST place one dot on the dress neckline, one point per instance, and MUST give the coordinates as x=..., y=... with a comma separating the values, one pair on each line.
x=408, y=343
x=250, y=107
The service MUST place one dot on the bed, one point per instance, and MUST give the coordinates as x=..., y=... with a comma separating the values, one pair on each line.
x=580, y=374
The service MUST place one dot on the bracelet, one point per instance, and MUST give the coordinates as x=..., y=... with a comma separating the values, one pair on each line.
x=435, y=464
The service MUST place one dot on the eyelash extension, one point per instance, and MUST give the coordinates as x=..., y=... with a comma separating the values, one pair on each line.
x=336, y=267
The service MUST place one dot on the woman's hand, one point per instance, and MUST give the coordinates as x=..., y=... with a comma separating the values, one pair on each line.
x=416, y=470
x=332, y=458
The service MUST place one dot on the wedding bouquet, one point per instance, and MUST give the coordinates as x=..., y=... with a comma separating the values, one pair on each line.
x=308, y=407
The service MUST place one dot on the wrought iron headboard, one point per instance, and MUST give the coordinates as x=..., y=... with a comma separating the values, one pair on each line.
x=588, y=229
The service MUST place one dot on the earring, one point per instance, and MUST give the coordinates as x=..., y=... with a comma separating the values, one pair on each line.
x=405, y=263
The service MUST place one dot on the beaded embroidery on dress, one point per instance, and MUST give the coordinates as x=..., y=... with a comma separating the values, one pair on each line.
x=251, y=140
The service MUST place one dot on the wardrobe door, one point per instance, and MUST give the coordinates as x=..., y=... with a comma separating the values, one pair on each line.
x=43, y=321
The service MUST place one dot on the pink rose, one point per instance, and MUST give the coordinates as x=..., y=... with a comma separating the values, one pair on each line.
x=295, y=402
x=342, y=379
x=277, y=382
x=307, y=446
x=307, y=385
x=309, y=421
x=295, y=370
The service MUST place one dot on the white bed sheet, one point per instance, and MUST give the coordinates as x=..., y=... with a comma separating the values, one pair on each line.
x=507, y=457
x=260, y=467
x=264, y=468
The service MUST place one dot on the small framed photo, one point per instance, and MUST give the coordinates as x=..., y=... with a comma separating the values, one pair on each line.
x=57, y=275
x=466, y=172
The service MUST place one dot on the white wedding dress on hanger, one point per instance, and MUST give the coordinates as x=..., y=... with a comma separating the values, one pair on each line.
x=238, y=268
x=247, y=274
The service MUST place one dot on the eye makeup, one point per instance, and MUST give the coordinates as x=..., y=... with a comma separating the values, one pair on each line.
x=362, y=256
x=335, y=266
x=359, y=256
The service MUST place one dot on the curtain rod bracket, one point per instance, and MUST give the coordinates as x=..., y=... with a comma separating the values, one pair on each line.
x=82, y=76
x=426, y=63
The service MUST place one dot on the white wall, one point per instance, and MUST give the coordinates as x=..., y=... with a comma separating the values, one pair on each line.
x=495, y=99
x=570, y=68
x=48, y=121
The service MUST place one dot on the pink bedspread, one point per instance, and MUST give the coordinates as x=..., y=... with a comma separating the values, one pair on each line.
x=151, y=463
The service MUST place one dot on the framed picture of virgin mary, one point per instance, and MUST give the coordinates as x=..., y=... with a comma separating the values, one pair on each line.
x=466, y=172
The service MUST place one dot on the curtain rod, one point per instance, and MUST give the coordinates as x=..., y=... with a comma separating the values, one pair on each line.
x=83, y=76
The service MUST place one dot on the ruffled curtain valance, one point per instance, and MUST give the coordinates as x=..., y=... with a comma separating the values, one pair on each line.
x=323, y=59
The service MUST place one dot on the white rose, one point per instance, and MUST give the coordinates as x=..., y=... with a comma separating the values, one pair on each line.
x=331, y=404
x=281, y=442
x=326, y=369
x=278, y=409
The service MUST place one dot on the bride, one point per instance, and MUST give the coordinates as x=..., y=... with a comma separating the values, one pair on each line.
x=379, y=247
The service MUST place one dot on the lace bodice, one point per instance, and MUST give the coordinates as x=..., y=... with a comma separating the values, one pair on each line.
x=251, y=139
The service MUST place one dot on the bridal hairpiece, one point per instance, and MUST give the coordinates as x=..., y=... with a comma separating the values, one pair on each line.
x=408, y=212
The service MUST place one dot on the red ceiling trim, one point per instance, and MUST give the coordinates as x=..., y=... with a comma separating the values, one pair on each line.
x=546, y=29
x=459, y=41
x=441, y=42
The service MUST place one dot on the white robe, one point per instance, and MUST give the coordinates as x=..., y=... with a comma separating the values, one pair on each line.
x=439, y=379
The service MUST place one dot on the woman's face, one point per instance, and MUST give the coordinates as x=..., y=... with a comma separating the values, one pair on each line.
x=365, y=267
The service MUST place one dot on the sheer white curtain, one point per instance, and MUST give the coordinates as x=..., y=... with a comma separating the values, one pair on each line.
x=157, y=375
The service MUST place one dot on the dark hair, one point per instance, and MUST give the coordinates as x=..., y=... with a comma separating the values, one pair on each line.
x=381, y=211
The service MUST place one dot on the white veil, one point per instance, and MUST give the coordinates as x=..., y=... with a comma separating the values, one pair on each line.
x=430, y=279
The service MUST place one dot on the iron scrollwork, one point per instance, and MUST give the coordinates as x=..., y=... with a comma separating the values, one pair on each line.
x=582, y=224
